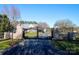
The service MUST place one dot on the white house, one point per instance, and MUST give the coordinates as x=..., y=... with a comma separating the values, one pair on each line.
x=26, y=26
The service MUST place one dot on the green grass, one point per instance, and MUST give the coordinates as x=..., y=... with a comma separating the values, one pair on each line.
x=4, y=44
x=7, y=44
x=31, y=34
x=67, y=46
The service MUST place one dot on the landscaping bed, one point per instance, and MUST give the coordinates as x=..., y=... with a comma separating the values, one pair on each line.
x=72, y=47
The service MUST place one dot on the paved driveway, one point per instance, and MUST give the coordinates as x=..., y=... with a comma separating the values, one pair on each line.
x=34, y=47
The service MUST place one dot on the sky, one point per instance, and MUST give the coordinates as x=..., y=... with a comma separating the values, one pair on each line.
x=49, y=13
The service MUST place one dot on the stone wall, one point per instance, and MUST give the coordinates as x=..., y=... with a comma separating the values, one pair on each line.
x=16, y=35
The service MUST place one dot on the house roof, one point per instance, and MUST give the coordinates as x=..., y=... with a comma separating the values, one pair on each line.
x=26, y=26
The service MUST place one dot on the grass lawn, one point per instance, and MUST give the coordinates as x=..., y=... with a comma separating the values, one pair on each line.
x=31, y=34
x=67, y=46
x=7, y=44
x=4, y=45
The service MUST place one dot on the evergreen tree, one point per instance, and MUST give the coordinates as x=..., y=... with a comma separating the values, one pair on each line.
x=5, y=25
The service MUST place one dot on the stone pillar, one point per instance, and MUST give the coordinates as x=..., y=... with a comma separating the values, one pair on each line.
x=6, y=35
x=19, y=32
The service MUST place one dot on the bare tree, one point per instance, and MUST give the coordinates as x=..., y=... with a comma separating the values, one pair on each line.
x=14, y=15
x=65, y=25
x=5, y=10
x=43, y=25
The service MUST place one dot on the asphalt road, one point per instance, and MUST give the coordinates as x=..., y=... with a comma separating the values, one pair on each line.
x=34, y=47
